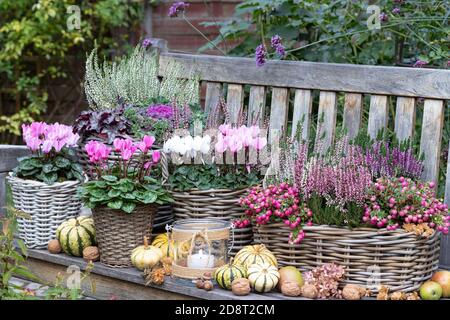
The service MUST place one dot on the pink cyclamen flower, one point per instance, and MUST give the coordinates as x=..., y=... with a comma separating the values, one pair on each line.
x=118, y=143
x=156, y=155
x=259, y=143
x=221, y=144
x=146, y=143
x=97, y=151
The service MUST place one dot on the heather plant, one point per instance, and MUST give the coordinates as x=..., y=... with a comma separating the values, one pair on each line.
x=394, y=203
x=52, y=159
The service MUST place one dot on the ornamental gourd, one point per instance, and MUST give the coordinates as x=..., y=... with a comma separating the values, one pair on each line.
x=252, y=254
x=225, y=275
x=168, y=247
x=146, y=256
x=263, y=277
x=76, y=234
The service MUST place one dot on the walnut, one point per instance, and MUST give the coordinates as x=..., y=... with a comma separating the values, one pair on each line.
x=290, y=289
x=412, y=296
x=208, y=285
x=309, y=291
x=54, y=246
x=383, y=293
x=91, y=254
x=398, y=295
x=353, y=292
x=200, y=284
x=240, y=287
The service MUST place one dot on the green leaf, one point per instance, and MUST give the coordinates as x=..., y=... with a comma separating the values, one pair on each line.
x=114, y=193
x=110, y=178
x=22, y=246
x=116, y=204
x=47, y=168
x=62, y=162
x=128, y=207
x=49, y=178
x=149, y=197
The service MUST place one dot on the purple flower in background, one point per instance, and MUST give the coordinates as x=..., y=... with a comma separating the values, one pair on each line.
x=384, y=17
x=260, y=55
x=396, y=10
x=399, y=1
x=177, y=8
x=160, y=112
x=278, y=46
x=420, y=63
x=147, y=43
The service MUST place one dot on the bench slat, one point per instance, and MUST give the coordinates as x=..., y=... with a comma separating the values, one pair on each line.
x=256, y=105
x=327, y=108
x=352, y=113
x=378, y=114
x=235, y=101
x=430, y=142
x=278, y=111
x=302, y=110
x=405, y=117
x=213, y=95
x=382, y=80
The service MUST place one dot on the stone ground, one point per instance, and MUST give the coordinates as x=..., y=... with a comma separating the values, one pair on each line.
x=34, y=287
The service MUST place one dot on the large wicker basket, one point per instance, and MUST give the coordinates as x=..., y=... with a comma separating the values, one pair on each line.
x=397, y=259
x=48, y=206
x=118, y=233
x=214, y=204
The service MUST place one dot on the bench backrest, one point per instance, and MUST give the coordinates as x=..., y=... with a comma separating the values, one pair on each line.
x=353, y=81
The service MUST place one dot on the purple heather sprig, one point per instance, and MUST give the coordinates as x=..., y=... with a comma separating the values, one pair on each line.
x=396, y=10
x=176, y=8
x=260, y=55
x=384, y=17
x=278, y=46
x=420, y=63
x=147, y=43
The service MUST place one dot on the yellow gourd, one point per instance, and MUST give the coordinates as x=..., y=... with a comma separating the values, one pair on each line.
x=146, y=256
x=162, y=242
x=263, y=277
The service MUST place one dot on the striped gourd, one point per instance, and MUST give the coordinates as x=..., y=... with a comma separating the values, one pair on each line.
x=225, y=275
x=162, y=241
x=263, y=277
x=252, y=254
x=76, y=234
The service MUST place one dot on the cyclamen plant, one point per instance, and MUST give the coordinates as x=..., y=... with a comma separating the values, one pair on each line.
x=392, y=203
x=51, y=159
x=126, y=182
x=278, y=203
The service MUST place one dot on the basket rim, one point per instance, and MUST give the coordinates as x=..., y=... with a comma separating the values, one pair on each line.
x=12, y=178
x=208, y=190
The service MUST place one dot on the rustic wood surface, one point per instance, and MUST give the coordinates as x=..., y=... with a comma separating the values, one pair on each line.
x=327, y=108
x=256, y=105
x=408, y=82
x=213, y=95
x=235, y=101
x=302, y=112
x=378, y=114
x=278, y=110
x=430, y=141
x=405, y=117
x=352, y=113
x=128, y=283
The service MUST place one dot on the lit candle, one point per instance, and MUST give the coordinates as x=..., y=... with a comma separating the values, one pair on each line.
x=200, y=260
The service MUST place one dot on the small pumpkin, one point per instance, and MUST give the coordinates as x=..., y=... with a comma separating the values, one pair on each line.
x=146, y=256
x=263, y=277
x=76, y=234
x=226, y=274
x=167, y=246
x=255, y=254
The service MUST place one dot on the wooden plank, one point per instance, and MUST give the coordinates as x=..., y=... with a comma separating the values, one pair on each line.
x=378, y=114
x=396, y=81
x=235, y=101
x=405, y=117
x=278, y=112
x=302, y=111
x=256, y=105
x=430, y=141
x=172, y=288
x=213, y=95
x=327, y=128
x=352, y=113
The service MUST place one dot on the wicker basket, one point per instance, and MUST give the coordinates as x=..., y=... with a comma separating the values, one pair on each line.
x=48, y=206
x=214, y=204
x=118, y=233
x=400, y=260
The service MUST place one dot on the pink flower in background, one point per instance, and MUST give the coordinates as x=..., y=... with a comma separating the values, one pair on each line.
x=146, y=143
x=259, y=143
x=97, y=151
x=225, y=129
x=48, y=137
x=147, y=165
x=118, y=144
x=156, y=155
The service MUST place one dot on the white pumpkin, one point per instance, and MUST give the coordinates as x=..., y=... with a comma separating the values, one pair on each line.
x=263, y=277
x=146, y=256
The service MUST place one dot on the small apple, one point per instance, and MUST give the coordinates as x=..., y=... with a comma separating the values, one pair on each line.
x=430, y=290
x=290, y=274
x=443, y=278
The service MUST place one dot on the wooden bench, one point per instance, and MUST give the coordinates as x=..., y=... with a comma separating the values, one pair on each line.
x=341, y=90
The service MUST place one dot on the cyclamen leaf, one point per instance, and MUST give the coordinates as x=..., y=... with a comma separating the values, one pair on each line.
x=117, y=204
x=110, y=178
x=114, y=193
x=128, y=207
x=62, y=162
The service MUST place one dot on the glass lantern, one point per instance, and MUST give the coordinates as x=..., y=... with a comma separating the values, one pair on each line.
x=200, y=246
